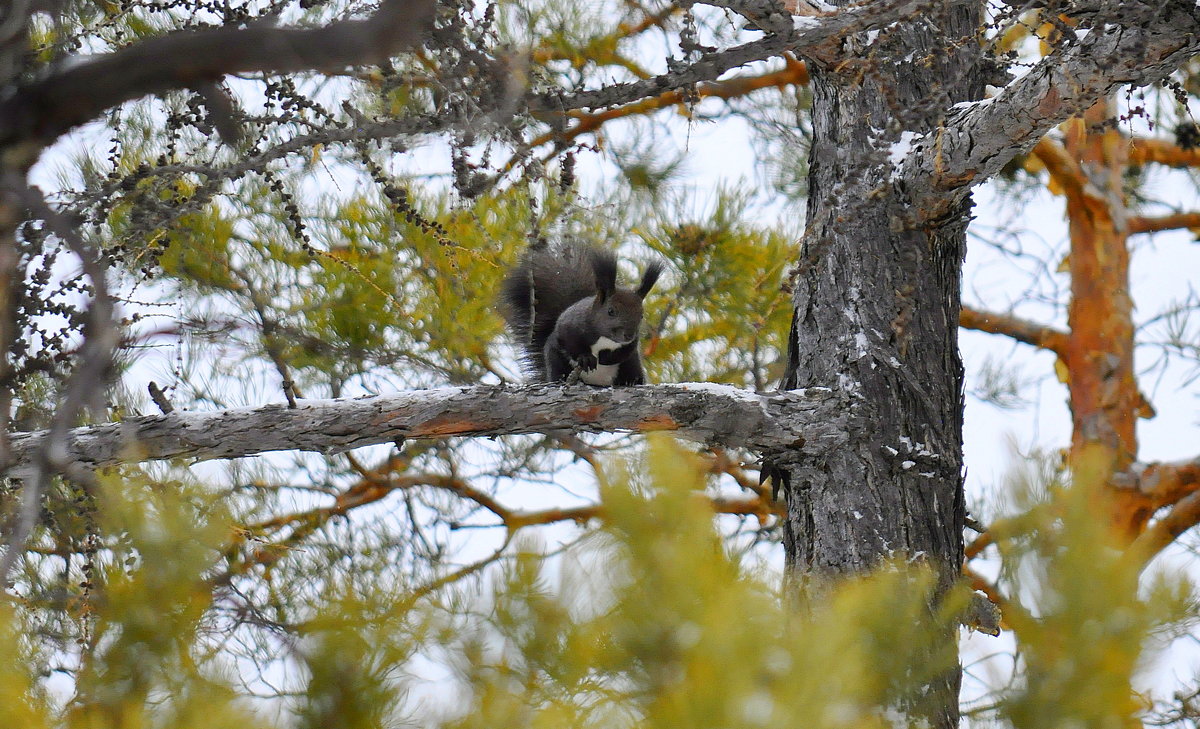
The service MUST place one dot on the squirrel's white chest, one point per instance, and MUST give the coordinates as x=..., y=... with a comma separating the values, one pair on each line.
x=604, y=374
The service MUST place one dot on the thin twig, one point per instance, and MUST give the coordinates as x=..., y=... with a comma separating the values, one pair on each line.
x=160, y=398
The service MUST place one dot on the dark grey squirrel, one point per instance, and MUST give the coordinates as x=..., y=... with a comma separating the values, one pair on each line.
x=565, y=310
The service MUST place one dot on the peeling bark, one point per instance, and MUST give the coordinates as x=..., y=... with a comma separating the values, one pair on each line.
x=1103, y=390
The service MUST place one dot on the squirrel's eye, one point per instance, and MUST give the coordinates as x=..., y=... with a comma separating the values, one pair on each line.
x=612, y=311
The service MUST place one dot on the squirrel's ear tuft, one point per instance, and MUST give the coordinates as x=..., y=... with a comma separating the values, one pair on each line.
x=604, y=268
x=653, y=271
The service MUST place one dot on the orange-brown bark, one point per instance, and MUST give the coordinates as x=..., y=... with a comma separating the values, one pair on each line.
x=379, y=482
x=1022, y=330
x=794, y=73
x=1088, y=170
x=1176, y=221
x=1103, y=391
x=1162, y=152
x=1173, y=485
x=1166, y=483
x=1184, y=515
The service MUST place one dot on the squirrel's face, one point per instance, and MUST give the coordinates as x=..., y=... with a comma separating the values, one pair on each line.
x=618, y=316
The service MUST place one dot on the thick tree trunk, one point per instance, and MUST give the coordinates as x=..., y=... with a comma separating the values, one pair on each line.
x=877, y=309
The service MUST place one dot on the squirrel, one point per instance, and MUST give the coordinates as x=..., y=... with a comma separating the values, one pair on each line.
x=564, y=308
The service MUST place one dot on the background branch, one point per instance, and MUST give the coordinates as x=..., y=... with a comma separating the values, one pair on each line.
x=84, y=388
x=1022, y=330
x=73, y=95
x=712, y=64
x=1175, y=221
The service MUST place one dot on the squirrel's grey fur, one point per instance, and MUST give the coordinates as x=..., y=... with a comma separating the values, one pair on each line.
x=566, y=312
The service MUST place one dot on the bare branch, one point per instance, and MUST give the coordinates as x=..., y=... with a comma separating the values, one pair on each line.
x=809, y=422
x=769, y=15
x=374, y=130
x=1143, y=150
x=1063, y=168
x=1163, y=483
x=73, y=95
x=710, y=66
x=160, y=398
x=85, y=387
x=1022, y=330
x=794, y=73
x=1184, y=515
x=1175, y=221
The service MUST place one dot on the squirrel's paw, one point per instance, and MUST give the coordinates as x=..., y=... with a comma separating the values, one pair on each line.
x=586, y=361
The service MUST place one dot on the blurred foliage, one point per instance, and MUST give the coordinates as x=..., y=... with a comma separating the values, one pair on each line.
x=1087, y=621
x=178, y=596
x=649, y=622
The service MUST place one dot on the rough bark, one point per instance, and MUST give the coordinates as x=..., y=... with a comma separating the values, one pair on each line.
x=809, y=422
x=876, y=295
x=877, y=311
x=895, y=153
x=1130, y=42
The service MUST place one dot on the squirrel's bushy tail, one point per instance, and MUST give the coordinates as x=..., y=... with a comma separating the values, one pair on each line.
x=544, y=282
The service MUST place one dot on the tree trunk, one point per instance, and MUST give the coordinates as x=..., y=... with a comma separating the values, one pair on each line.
x=1104, y=397
x=877, y=309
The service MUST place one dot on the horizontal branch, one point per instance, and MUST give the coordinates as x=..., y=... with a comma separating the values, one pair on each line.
x=794, y=73
x=1162, y=483
x=1137, y=42
x=76, y=93
x=1176, y=221
x=1160, y=151
x=1064, y=169
x=709, y=66
x=808, y=422
x=771, y=16
x=1022, y=330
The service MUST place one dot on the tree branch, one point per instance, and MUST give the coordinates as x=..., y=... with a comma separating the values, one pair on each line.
x=794, y=73
x=1138, y=43
x=1064, y=169
x=1162, y=483
x=72, y=95
x=1022, y=330
x=1142, y=150
x=84, y=388
x=1175, y=221
x=808, y=422
x=815, y=32
x=1183, y=516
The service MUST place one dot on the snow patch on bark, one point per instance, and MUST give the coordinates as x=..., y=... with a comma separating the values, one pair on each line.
x=724, y=390
x=900, y=150
x=973, y=104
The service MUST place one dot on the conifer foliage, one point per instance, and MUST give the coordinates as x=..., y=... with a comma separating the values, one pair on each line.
x=227, y=225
